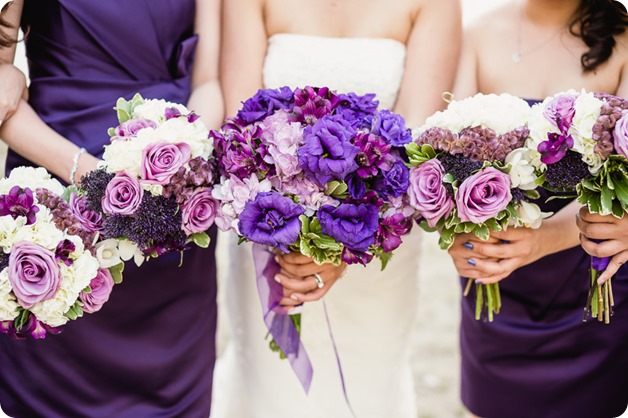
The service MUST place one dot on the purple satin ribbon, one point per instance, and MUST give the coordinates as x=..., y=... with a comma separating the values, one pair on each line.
x=276, y=318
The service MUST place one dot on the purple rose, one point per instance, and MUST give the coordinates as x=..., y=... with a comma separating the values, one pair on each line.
x=394, y=182
x=33, y=273
x=19, y=202
x=560, y=111
x=620, y=135
x=392, y=127
x=162, y=160
x=131, y=127
x=327, y=152
x=265, y=103
x=427, y=193
x=483, y=195
x=90, y=220
x=123, y=195
x=353, y=225
x=271, y=219
x=199, y=211
x=555, y=148
x=101, y=286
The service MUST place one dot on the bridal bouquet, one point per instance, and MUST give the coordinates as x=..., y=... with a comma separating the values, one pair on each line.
x=310, y=171
x=49, y=267
x=470, y=174
x=579, y=141
x=153, y=189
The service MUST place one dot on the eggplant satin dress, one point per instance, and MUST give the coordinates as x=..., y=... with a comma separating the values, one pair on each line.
x=538, y=359
x=150, y=351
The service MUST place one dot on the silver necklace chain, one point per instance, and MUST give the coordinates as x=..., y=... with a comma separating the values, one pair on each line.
x=518, y=55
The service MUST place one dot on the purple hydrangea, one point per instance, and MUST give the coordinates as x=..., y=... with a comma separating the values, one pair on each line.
x=271, y=219
x=312, y=104
x=327, y=152
x=392, y=127
x=264, y=103
x=357, y=110
x=353, y=225
x=19, y=202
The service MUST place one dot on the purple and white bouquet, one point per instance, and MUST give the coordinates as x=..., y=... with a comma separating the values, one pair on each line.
x=315, y=172
x=153, y=190
x=579, y=142
x=470, y=174
x=49, y=271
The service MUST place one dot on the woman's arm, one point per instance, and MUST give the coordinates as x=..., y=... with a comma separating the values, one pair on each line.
x=12, y=80
x=206, y=98
x=433, y=49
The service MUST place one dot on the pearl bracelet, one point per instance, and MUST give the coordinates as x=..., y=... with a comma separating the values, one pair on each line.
x=75, y=163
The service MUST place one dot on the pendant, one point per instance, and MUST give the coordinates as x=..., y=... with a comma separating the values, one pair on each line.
x=516, y=57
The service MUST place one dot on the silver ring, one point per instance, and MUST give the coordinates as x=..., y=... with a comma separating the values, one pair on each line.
x=319, y=280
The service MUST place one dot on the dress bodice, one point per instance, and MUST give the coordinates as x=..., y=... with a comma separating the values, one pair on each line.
x=359, y=65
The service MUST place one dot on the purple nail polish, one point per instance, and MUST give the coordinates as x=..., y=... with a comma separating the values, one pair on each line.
x=468, y=245
x=471, y=261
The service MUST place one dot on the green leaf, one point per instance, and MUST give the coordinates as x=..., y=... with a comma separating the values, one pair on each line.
x=116, y=272
x=446, y=239
x=493, y=225
x=201, y=239
x=21, y=319
x=337, y=189
x=618, y=210
x=532, y=194
x=621, y=189
x=417, y=155
x=449, y=178
x=594, y=204
x=111, y=132
x=482, y=232
x=606, y=199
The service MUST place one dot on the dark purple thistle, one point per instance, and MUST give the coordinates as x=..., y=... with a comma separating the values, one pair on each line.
x=266, y=102
x=63, y=251
x=564, y=175
x=19, y=202
x=271, y=219
x=391, y=230
x=312, y=104
x=374, y=154
x=353, y=225
x=555, y=148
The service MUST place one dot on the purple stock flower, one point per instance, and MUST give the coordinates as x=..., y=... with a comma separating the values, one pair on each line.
x=483, y=195
x=560, y=111
x=374, y=154
x=554, y=149
x=101, y=287
x=353, y=225
x=89, y=219
x=19, y=202
x=391, y=229
x=265, y=103
x=64, y=250
x=357, y=110
x=394, y=182
x=161, y=160
x=122, y=196
x=392, y=127
x=312, y=104
x=428, y=194
x=271, y=219
x=327, y=152
x=33, y=273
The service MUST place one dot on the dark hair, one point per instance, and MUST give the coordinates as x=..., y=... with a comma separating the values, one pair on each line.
x=597, y=22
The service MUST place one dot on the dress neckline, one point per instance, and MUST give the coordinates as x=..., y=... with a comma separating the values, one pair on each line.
x=335, y=38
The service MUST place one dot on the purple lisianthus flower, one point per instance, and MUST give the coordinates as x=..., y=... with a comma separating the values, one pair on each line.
x=394, y=182
x=101, y=287
x=90, y=220
x=357, y=110
x=271, y=219
x=199, y=211
x=390, y=231
x=33, y=273
x=392, y=127
x=427, y=193
x=356, y=257
x=357, y=186
x=19, y=202
x=64, y=250
x=483, y=195
x=555, y=148
x=131, y=127
x=327, y=152
x=353, y=225
x=312, y=104
x=560, y=111
x=123, y=195
x=620, y=135
x=374, y=154
x=161, y=160
x=265, y=103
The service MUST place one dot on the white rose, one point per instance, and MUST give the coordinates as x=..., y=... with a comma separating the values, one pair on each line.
x=126, y=155
x=30, y=177
x=107, y=253
x=85, y=269
x=522, y=173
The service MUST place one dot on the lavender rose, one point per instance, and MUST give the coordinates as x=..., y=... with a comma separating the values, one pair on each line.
x=560, y=111
x=90, y=220
x=123, y=195
x=327, y=152
x=130, y=128
x=33, y=273
x=161, y=160
x=19, y=202
x=483, y=195
x=199, y=211
x=101, y=286
x=620, y=135
x=271, y=219
x=427, y=193
x=353, y=225
x=392, y=127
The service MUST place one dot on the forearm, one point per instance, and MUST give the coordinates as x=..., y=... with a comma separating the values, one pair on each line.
x=29, y=136
x=206, y=100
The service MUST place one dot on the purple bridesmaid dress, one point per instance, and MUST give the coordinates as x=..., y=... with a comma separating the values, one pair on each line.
x=150, y=351
x=538, y=358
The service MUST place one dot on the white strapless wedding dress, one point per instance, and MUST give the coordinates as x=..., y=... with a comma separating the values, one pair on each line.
x=372, y=313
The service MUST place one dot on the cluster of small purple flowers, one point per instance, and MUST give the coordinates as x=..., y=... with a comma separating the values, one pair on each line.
x=290, y=157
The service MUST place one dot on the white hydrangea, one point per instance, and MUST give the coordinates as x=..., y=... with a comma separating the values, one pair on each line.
x=33, y=178
x=155, y=109
x=8, y=303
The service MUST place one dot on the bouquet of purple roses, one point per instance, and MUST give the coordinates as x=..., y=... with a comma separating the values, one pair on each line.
x=315, y=172
x=470, y=175
x=579, y=142
x=49, y=269
x=153, y=189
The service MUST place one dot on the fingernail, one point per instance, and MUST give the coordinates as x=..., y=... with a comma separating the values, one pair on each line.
x=505, y=241
x=479, y=281
x=277, y=258
x=278, y=279
x=294, y=297
x=471, y=261
x=468, y=245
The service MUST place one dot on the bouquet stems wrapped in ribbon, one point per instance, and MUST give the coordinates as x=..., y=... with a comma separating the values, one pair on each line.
x=469, y=174
x=580, y=144
x=315, y=172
